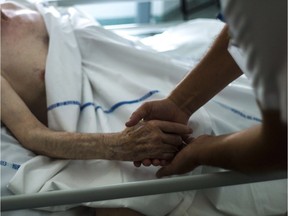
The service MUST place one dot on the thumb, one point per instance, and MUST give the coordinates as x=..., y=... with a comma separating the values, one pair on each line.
x=166, y=171
x=137, y=116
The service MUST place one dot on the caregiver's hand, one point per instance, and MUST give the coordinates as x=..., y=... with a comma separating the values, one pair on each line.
x=187, y=159
x=164, y=109
x=151, y=139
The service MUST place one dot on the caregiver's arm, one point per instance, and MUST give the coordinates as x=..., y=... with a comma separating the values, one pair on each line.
x=214, y=72
x=257, y=149
x=131, y=144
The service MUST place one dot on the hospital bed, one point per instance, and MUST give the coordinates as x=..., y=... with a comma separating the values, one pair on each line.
x=212, y=182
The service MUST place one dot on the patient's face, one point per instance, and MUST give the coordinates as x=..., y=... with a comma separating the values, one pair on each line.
x=23, y=33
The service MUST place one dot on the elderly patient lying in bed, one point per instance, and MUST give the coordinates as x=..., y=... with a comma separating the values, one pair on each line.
x=25, y=43
x=24, y=52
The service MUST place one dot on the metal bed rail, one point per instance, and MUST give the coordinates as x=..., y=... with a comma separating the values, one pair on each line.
x=132, y=189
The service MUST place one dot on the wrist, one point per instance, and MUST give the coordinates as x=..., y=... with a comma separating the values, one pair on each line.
x=111, y=147
x=214, y=151
x=181, y=102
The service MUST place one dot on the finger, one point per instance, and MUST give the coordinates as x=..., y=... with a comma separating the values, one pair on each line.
x=170, y=169
x=171, y=139
x=147, y=162
x=173, y=127
x=189, y=139
x=168, y=155
x=137, y=163
x=166, y=171
x=134, y=119
x=156, y=162
x=137, y=116
x=164, y=162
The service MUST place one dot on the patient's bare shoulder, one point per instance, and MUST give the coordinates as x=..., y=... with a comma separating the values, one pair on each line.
x=24, y=48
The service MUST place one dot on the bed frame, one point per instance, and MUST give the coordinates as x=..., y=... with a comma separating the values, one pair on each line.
x=132, y=189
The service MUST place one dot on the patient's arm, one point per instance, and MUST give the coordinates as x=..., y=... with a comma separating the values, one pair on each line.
x=146, y=139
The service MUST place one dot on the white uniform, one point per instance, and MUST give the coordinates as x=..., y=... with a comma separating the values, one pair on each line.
x=258, y=30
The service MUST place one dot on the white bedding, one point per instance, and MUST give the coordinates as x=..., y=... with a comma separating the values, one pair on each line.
x=96, y=69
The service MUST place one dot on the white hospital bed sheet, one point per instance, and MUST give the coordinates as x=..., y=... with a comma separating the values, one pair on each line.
x=242, y=113
x=186, y=42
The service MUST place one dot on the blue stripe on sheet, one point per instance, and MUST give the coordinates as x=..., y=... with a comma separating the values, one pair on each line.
x=65, y=103
x=110, y=110
x=10, y=165
x=238, y=112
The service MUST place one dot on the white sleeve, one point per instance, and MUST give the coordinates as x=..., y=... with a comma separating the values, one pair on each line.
x=259, y=29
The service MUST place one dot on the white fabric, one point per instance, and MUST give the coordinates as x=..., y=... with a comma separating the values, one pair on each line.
x=122, y=72
x=259, y=29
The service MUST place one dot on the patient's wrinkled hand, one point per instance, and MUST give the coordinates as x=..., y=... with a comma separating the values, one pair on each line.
x=152, y=139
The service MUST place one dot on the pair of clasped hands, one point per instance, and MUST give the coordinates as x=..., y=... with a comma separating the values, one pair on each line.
x=166, y=110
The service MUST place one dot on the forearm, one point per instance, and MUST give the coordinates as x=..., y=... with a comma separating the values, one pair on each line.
x=254, y=149
x=215, y=71
x=238, y=151
x=79, y=146
x=33, y=135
